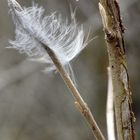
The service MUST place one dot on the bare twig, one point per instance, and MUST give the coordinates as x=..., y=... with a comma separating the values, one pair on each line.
x=80, y=103
x=114, y=30
x=110, y=109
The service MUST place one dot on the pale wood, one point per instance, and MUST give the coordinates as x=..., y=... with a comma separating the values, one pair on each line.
x=110, y=109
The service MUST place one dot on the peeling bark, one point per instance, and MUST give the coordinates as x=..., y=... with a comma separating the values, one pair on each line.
x=114, y=30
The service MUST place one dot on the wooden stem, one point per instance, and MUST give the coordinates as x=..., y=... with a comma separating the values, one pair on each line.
x=114, y=30
x=81, y=105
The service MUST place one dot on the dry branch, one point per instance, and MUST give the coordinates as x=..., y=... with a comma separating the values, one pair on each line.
x=114, y=30
x=80, y=103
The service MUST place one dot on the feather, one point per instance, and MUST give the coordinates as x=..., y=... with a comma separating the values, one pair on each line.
x=34, y=29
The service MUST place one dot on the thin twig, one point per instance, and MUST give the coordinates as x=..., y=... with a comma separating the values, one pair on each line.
x=80, y=103
x=110, y=109
x=113, y=28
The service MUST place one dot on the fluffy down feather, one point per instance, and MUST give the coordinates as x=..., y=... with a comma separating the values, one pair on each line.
x=34, y=29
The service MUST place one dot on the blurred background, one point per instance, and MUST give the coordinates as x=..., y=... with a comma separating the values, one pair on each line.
x=38, y=106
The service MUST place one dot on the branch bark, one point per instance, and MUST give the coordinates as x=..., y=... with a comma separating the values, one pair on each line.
x=113, y=28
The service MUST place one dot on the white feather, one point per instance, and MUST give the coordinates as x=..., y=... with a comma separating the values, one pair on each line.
x=34, y=29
